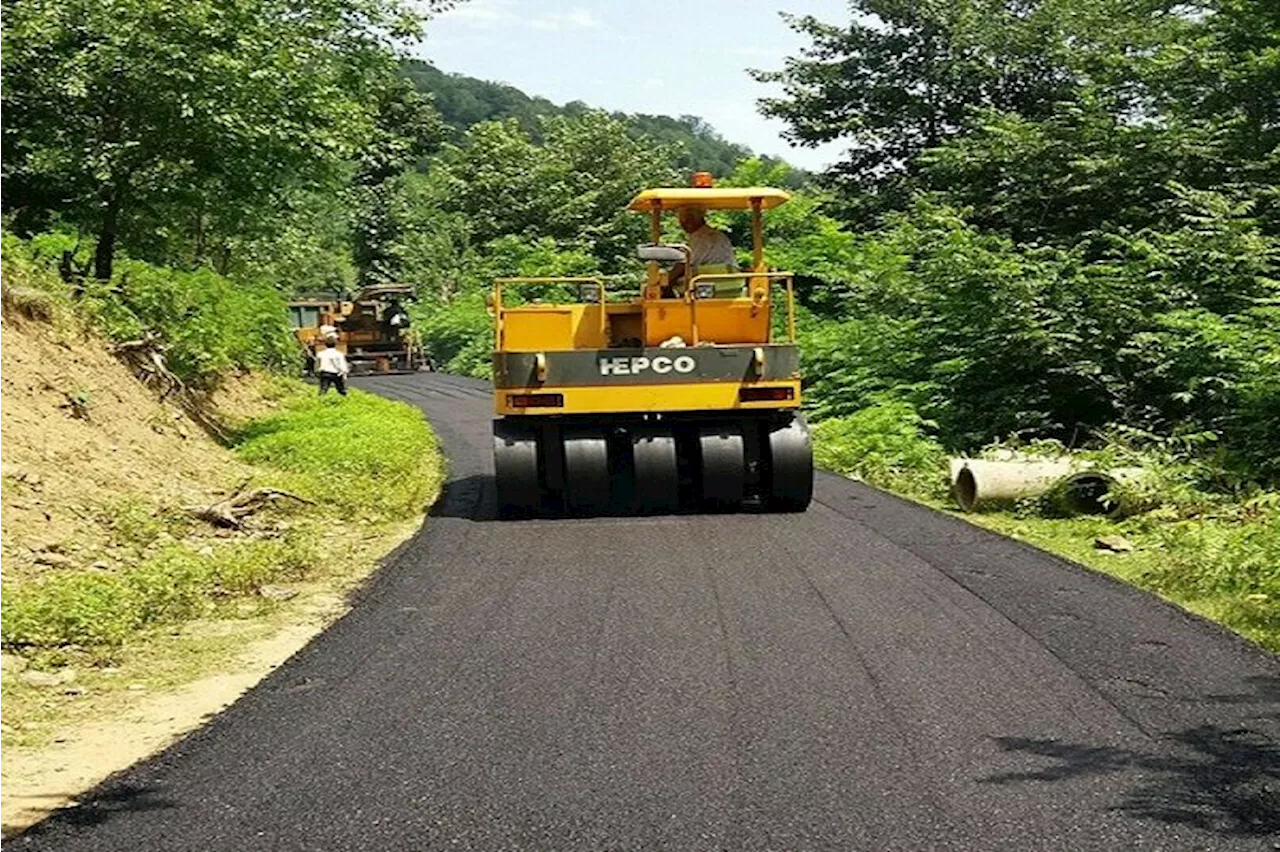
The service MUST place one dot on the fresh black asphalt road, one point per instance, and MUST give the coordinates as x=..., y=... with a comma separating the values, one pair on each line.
x=869, y=675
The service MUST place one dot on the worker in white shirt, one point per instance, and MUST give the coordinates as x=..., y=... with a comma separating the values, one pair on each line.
x=709, y=252
x=331, y=366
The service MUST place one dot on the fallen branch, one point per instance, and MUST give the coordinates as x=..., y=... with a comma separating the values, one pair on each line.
x=229, y=512
x=146, y=358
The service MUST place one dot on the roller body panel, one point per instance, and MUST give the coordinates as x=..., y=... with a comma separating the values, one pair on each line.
x=613, y=381
x=646, y=366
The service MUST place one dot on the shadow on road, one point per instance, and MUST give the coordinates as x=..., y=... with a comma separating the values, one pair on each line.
x=1225, y=780
x=469, y=497
x=101, y=807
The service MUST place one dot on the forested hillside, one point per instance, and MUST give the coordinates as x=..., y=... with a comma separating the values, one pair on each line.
x=1053, y=218
x=464, y=101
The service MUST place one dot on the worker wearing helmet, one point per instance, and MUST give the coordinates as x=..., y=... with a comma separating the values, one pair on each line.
x=709, y=251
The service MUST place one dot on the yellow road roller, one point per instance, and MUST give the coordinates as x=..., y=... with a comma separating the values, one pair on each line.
x=679, y=393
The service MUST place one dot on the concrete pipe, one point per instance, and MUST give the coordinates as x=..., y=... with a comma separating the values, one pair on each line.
x=958, y=463
x=979, y=483
x=1094, y=492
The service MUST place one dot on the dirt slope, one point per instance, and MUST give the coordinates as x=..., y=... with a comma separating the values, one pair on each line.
x=83, y=444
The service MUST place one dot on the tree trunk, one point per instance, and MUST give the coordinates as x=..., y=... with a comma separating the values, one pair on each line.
x=105, y=255
x=223, y=261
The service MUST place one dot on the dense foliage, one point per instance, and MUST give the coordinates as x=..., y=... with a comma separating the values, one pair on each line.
x=185, y=167
x=1068, y=216
x=203, y=324
x=502, y=203
x=1053, y=217
x=174, y=126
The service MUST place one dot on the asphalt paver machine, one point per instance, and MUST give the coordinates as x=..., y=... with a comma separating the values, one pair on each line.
x=371, y=328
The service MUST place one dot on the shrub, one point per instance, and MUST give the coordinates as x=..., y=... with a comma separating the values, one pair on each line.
x=458, y=334
x=848, y=365
x=885, y=445
x=206, y=323
x=31, y=289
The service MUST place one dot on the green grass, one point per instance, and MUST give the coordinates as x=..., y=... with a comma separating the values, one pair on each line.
x=107, y=609
x=360, y=455
x=137, y=524
x=359, y=458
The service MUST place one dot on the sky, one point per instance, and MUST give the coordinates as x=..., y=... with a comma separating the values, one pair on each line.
x=655, y=56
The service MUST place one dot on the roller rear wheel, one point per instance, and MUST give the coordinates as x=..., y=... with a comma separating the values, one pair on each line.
x=723, y=474
x=657, y=472
x=790, y=482
x=653, y=466
x=586, y=470
x=515, y=468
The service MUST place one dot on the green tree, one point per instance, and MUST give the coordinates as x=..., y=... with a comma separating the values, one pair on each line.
x=903, y=76
x=117, y=114
x=408, y=129
x=800, y=237
x=574, y=187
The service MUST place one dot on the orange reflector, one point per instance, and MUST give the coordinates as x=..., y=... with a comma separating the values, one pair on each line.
x=703, y=180
x=535, y=400
x=766, y=394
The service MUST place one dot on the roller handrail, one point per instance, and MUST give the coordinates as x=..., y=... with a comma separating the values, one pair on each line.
x=691, y=294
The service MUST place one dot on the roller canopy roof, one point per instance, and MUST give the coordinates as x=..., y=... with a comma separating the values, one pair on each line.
x=714, y=198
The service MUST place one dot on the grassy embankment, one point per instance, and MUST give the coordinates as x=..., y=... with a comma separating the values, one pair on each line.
x=1214, y=553
x=360, y=461
x=193, y=599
